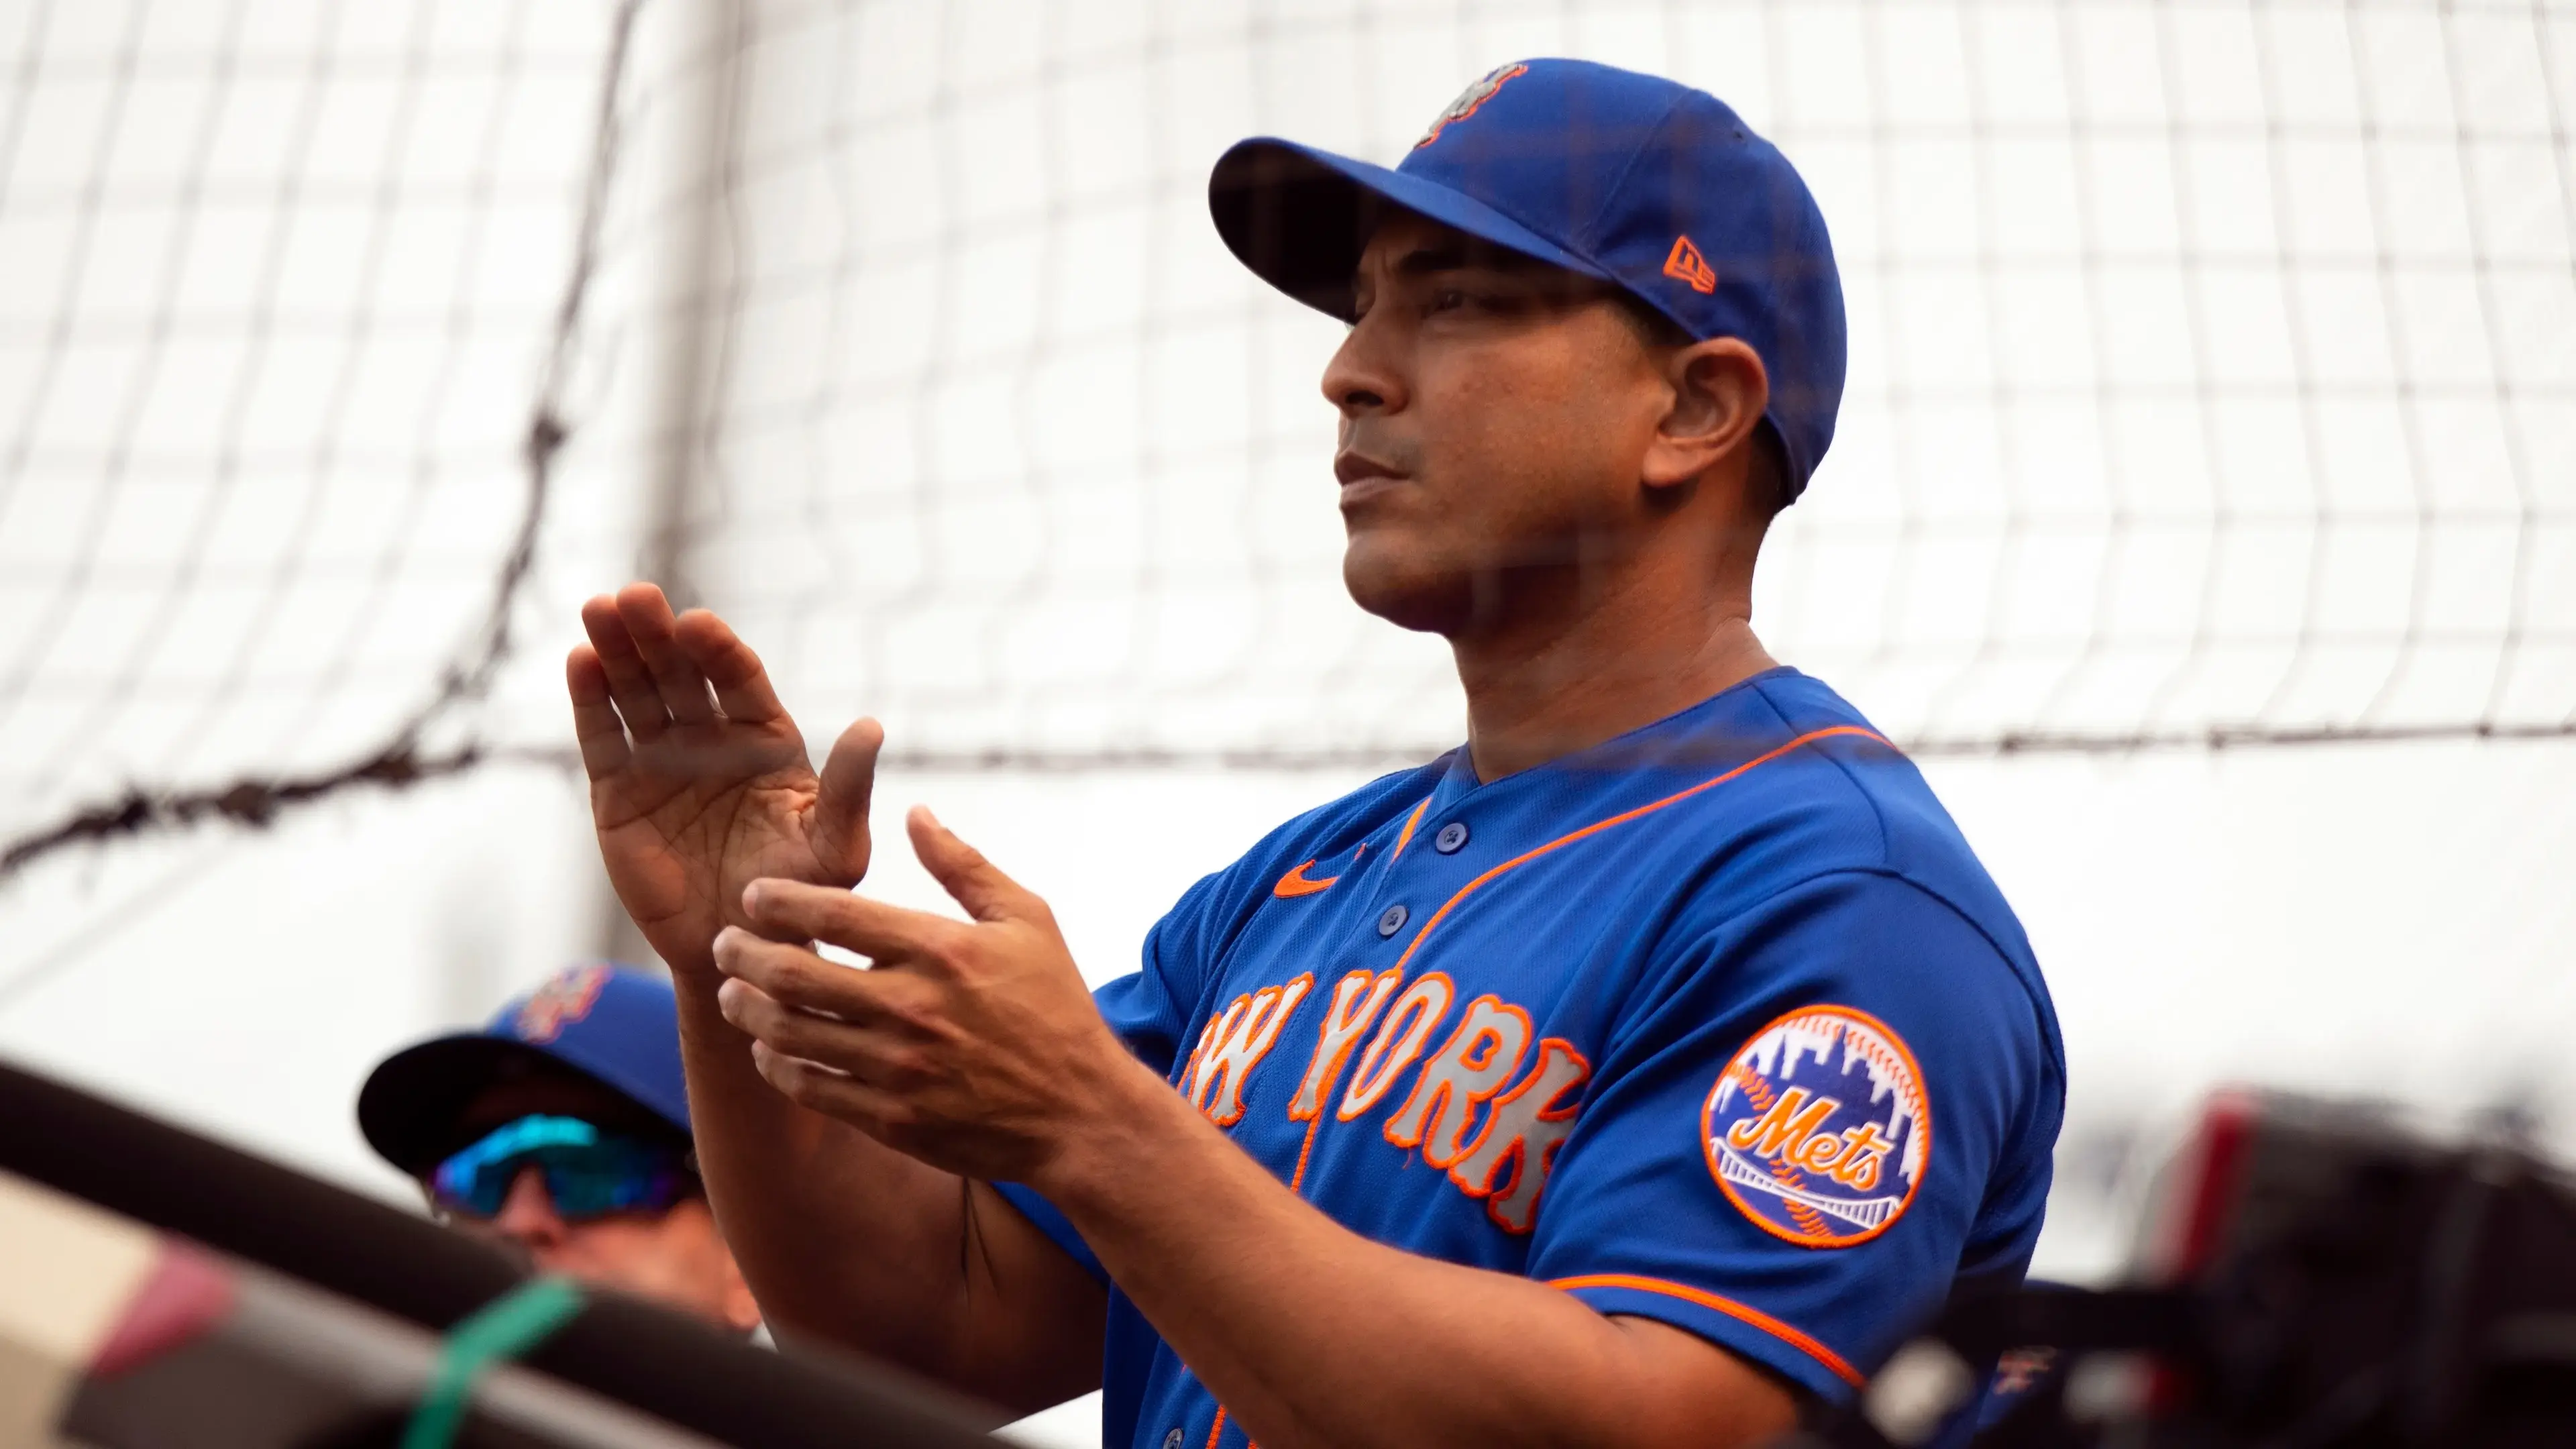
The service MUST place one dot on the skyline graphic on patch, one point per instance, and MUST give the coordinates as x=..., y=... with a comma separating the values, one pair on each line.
x=1820, y=1129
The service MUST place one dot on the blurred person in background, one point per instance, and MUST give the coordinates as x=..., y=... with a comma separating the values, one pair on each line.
x=561, y=1132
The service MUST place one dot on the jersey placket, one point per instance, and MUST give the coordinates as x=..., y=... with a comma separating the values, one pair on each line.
x=1384, y=928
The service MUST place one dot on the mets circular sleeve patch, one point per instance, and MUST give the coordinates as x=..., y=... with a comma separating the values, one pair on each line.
x=1820, y=1129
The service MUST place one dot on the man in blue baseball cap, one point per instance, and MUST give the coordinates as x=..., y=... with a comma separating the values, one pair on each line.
x=561, y=1130
x=1634, y=1074
x=1656, y=194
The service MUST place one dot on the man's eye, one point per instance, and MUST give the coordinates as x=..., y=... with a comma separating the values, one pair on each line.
x=1448, y=299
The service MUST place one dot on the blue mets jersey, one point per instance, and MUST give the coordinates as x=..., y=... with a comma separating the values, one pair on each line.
x=1719, y=1023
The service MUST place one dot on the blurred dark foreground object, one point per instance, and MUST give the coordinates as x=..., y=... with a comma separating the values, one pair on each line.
x=115, y=1336
x=330, y=1255
x=2313, y=1276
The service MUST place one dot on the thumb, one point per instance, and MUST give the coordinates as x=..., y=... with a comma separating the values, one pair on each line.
x=970, y=879
x=840, y=829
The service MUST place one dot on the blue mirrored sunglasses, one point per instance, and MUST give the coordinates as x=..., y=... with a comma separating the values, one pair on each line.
x=588, y=1173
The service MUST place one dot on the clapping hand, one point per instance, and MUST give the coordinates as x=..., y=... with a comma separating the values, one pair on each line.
x=699, y=781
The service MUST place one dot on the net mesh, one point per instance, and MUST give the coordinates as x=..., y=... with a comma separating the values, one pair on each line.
x=292, y=320
x=2213, y=369
x=2210, y=369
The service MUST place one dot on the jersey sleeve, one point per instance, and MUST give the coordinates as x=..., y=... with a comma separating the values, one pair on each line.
x=1149, y=1009
x=1815, y=1116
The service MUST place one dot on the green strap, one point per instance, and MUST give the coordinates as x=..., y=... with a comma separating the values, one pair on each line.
x=498, y=1332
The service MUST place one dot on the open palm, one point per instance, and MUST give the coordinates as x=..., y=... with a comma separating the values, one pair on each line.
x=699, y=780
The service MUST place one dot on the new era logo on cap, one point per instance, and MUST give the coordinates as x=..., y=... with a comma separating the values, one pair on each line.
x=1684, y=264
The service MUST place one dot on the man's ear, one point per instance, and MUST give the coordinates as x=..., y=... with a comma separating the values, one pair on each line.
x=1719, y=390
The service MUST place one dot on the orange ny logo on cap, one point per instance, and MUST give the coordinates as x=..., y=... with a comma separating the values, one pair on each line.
x=1685, y=264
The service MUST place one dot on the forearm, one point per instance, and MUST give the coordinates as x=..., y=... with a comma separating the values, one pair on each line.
x=847, y=1241
x=840, y=1238
x=1267, y=1300
x=974, y=1045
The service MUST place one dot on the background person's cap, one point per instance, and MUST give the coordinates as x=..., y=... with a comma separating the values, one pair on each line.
x=614, y=1024
x=1629, y=178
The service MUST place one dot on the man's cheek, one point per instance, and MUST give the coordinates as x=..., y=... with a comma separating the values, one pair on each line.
x=1488, y=446
x=616, y=1255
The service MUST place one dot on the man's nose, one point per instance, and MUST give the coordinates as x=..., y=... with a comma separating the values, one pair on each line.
x=528, y=1217
x=1362, y=378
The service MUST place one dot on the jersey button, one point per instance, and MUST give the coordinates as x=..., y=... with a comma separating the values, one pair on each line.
x=1391, y=920
x=1452, y=836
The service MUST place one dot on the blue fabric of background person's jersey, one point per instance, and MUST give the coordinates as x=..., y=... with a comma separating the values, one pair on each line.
x=1627, y=920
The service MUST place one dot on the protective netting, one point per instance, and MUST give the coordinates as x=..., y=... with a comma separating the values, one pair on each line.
x=2214, y=368
x=2211, y=368
x=291, y=318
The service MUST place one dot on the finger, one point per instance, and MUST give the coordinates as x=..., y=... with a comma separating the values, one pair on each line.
x=879, y=1113
x=962, y=871
x=782, y=1027
x=629, y=682
x=886, y=1054
x=741, y=682
x=675, y=675
x=786, y=910
x=840, y=833
x=793, y=975
x=594, y=714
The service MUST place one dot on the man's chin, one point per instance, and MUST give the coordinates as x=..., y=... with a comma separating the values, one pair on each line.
x=1407, y=595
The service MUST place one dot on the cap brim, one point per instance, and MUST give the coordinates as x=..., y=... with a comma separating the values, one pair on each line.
x=1299, y=217
x=410, y=1105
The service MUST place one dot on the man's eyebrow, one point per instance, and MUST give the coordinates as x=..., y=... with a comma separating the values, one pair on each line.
x=1432, y=257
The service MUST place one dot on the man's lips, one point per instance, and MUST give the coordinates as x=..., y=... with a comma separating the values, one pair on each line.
x=1362, y=475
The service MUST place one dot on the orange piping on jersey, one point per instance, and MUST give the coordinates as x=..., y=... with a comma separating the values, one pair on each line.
x=1404, y=837
x=1378, y=988
x=1728, y=1306
x=1216, y=1428
x=1298, y=1178
x=1649, y=808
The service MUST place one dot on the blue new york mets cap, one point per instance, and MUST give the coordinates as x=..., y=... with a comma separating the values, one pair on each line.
x=614, y=1024
x=1629, y=178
